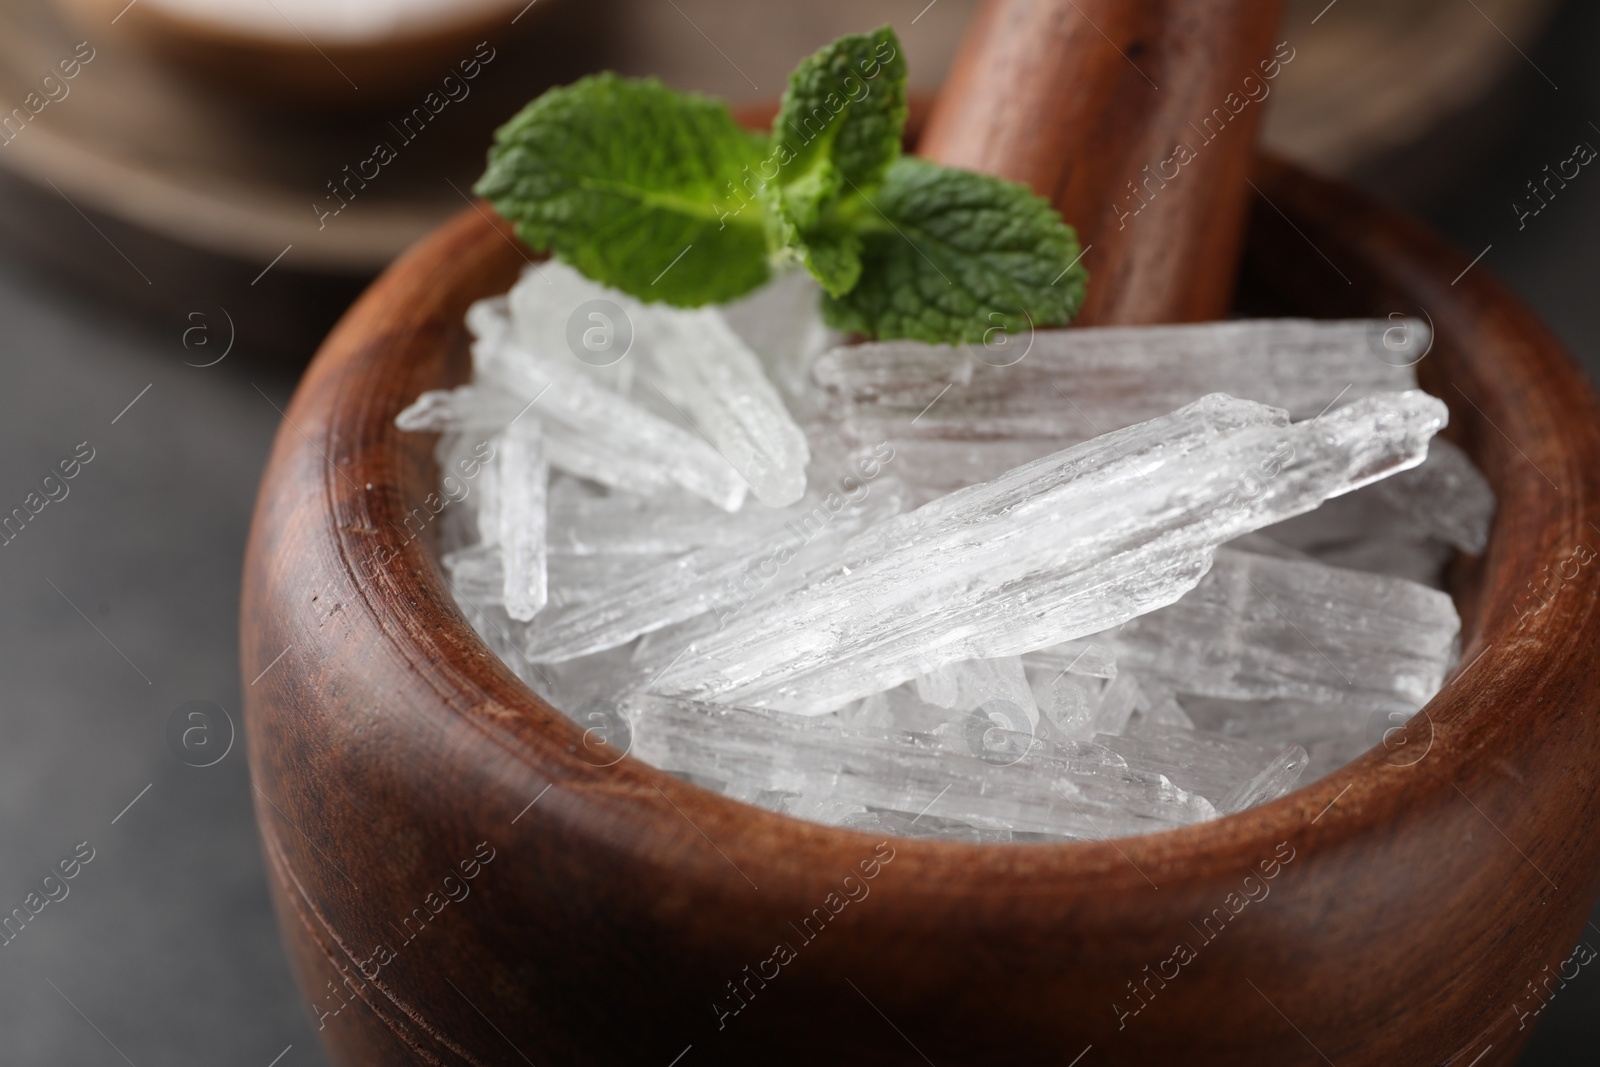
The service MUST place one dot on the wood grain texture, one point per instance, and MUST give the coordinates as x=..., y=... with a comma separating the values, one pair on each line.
x=388, y=743
x=1088, y=101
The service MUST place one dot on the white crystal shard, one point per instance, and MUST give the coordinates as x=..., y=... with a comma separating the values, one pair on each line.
x=1235, y=774
x=959, y=420
x=1445, y=497
x=1081, y=541
x=486, y=410
x=1331, y=734
x=1077, y=657
x=778, y=548
x=1120, y=696
x=1072, y=790
x=560, y=315
x=998, y=686
x=1088, y=381
x=1158, y=707
x=935, y=467
x=781, y=322
x=522, y=477
x=583, y=524
x=1258, y=627
x=1022, y=659
x=465, y=408
x=619, y=433
x=690, y=356
x=478, y=572
x=709, y=374
x=1071, y=705
x=625, y=432
x=586, y=689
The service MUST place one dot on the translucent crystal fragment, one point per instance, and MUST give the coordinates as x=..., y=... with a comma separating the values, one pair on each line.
x=1071, y=544
x=1070, y=790
x=707, y=372
x=560, y=315
x=1076, y=657
x=780, y=546
x=1070, y=705
x=1331, y=734
x=622, y=431
x=691, y=356
x=478, y=573
x=998, y=686
x=1233, y=773
x=522, y=476
x=1446, y=497
x=1158, y=707
x=782, y=323
x=1117, y=703
x=1258, y=628
x=1087, y=381
x=583, y=524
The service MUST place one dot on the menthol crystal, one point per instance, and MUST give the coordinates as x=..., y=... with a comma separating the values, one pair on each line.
x=691, y=358
x=1071, y=544
x=608, y=430
x=1139, y=579
x=781, y=547
x=1068, y=789
x=1258, y=628
x=522, y=477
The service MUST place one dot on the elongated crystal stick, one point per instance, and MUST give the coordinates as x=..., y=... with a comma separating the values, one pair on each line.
x=1446, y=497
x=783, y=547
x=705, y=370
x=1075, y=790
x=1076, y=384
x=1071, y=544
x=1259, y=628
x=559, y=314
x=696, y=361
x=782, y=323
x=486, y=409
x=567, y=395
x=582, y=524
x=523, y=477
x=1231, y=773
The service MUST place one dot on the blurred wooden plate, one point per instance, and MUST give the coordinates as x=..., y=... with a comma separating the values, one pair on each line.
x=202, y=192
x=259, y=51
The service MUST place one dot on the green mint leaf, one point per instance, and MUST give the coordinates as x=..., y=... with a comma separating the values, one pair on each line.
x=836, y=134
x=662, y=195
x=839, y=125
x=833, y=257
x=637, y=186
x=949, y=255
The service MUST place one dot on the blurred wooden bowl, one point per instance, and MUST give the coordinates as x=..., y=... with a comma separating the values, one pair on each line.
x=1416, y=893
x=282, y=62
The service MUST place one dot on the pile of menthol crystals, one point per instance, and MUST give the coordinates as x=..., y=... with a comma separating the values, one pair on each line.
x=1087, y=583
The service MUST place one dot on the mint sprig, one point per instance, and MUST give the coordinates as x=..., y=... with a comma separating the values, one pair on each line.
x=661, y=194
x=619, y=176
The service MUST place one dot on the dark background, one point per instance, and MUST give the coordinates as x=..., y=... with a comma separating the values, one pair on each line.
x=119, y=603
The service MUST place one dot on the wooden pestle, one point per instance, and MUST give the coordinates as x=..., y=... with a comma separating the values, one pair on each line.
x=1088, y=101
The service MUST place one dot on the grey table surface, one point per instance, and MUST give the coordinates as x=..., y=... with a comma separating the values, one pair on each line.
x=118, y=603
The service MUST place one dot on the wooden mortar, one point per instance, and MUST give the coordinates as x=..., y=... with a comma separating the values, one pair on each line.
x=1414, y=893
